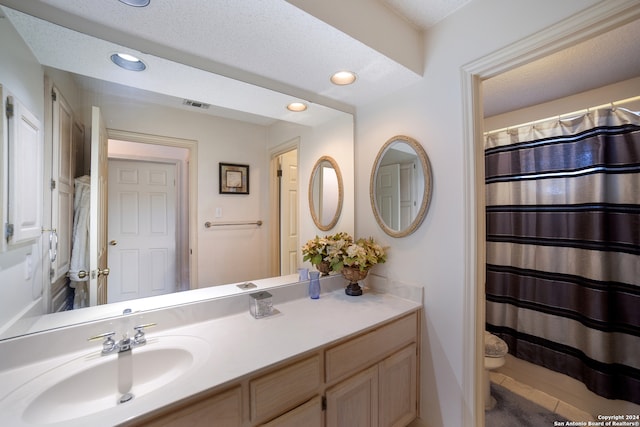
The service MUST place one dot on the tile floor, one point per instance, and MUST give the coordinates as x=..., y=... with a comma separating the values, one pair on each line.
x=543, y=399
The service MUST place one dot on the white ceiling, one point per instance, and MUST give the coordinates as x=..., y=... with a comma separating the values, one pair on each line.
x=606, y=59
x=425, y=13
x=268, y=43
x=276, y=52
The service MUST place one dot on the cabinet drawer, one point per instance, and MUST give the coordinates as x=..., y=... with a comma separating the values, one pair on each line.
x=286, y=388
x=352, y=356
x=222, y=410
x=307, y=415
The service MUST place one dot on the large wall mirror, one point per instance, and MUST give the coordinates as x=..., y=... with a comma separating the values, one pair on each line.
x=142, y=107
x=325, y=193
x=400, y=186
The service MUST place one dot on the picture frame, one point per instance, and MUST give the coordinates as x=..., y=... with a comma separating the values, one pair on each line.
x=234, y=178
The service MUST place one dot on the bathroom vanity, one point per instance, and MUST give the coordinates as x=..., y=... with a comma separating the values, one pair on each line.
x=334, y=361
x=358, y=381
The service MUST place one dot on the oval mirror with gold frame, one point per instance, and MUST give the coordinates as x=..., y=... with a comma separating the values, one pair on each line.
x=400, y=186
x=325, y=193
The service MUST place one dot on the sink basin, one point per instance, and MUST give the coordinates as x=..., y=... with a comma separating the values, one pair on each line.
x=89, y=384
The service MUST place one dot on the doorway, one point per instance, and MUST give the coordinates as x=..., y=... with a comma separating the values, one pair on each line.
x=143, y=224
x=288, y=211
x=181, y=155
x=284, y=208
x=589, y=23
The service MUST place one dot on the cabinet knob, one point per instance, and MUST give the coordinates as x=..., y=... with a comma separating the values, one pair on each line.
x=113, y=242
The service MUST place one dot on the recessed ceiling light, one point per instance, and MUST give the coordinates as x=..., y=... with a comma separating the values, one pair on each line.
x=136, y=3
x=297, y=106
x=128, y=62
x=343, y=78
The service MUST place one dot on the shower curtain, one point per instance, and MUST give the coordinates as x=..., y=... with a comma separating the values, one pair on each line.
x=563, y=247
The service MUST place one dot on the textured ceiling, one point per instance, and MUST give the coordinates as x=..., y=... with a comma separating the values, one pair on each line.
x=609, y=58
x=272, y=44
x=256, y=55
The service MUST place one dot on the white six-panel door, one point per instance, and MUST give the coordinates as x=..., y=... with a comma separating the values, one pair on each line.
x=289, y=213
x=388, y=195
x=142, y=229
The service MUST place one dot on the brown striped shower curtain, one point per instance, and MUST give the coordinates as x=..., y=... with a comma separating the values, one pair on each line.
x=563, y=247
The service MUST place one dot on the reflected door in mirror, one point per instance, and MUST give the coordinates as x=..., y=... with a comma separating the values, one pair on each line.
x=400, y=187
x=388, y=194
x=325, y=193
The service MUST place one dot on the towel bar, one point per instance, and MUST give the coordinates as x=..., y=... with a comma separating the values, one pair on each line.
x=210, y=224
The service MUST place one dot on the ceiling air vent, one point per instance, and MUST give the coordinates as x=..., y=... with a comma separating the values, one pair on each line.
x=196, y=104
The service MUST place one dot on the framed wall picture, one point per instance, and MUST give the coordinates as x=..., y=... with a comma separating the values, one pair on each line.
x=234, y=179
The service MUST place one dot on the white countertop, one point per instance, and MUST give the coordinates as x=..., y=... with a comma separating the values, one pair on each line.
x=237, y=345
x=35, y=324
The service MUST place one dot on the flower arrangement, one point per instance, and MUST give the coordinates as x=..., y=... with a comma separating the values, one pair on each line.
x=319, y=249
x=362, y=254
x=340, y=250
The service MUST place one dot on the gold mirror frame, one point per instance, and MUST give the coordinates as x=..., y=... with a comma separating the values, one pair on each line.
x=312, y=206
x=426, y=196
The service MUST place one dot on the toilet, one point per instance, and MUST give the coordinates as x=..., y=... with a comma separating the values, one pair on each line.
x=495, y=350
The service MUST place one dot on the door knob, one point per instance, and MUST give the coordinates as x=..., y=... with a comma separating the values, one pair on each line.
x=104, y=272
x=113, y=243
x=82, y=274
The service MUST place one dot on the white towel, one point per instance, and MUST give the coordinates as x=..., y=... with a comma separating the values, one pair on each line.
x=80, y=244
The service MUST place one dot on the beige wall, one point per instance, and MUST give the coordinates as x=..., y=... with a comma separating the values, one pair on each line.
x=225, y=255
x=334, y=139
x=580, y=101
x=432, y=113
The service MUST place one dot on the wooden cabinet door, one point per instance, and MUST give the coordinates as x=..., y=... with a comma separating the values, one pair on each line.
x=220, y=410
x=347, y=358
x=25, y=174
x=308, y=415
x=398, y=388
x=354, y=402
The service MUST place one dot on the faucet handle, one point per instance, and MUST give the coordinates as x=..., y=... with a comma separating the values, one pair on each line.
x=108, y=345
x=139, y=337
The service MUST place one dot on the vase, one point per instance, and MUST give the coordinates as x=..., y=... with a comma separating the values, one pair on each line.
x=353, y=275
x=314, y=285
x=324, y=267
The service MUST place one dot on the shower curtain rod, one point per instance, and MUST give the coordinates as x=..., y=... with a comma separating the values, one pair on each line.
x=611, y=105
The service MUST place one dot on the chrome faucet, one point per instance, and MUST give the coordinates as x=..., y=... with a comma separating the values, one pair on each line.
x=126, y=343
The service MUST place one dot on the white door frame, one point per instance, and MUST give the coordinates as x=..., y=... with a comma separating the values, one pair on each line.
x=593, y=21
x=192, y=147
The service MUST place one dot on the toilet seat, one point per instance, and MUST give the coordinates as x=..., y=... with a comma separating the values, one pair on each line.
x=494, y=346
